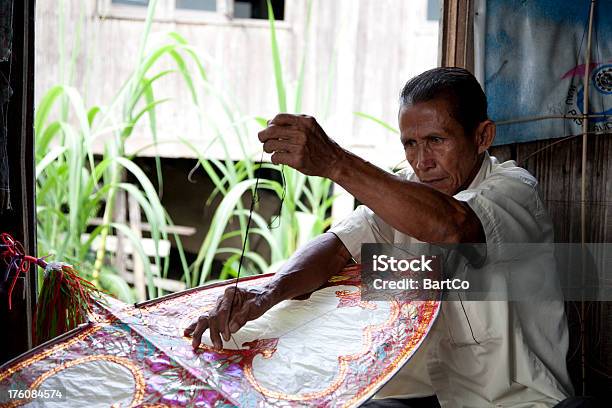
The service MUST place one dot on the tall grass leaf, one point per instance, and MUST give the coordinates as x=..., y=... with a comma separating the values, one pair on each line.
x=253, y=256
x=278, y=70
x=181, y=252
x=137, y=246
x=45, y=105
x=150, y=215
x=263, y=122
x=140, y=71
x=150, y=192
x=300, y=82
x=230, y=267
x=150, y=109
x=263, y=230
x=92, y=113
x=146, y=83
x=49, y=158
x=117, y=286
x=87, y=243
x=377, y=120
x=194, y=55
x=44, y=137
x=219, y=222
x=205, y=163
x=182, y=66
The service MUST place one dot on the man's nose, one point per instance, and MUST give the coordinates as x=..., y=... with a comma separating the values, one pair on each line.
x=425, y=158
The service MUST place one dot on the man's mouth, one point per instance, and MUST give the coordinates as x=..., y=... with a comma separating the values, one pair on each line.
x=433, y=181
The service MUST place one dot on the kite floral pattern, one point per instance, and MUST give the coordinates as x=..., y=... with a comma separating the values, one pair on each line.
x=145, y=344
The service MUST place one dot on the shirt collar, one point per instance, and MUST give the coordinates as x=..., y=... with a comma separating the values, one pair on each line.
x=483, y=173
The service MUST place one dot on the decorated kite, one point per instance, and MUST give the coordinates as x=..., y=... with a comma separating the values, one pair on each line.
x=333, y=349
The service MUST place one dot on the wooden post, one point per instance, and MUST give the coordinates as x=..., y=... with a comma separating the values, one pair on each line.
x=20, y=220
x=457, y=36
x=135, y=225
x=120, y=218
x=583, y=210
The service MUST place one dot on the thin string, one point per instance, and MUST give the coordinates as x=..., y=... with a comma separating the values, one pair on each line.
x=282, y=200
x=244, y=242
x=254, y=200
x=246, y=234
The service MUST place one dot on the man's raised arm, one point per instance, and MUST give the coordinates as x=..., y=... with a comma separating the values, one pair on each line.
x=414, y=209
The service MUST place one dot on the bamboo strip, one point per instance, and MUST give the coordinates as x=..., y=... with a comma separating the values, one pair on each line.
x=585, y=130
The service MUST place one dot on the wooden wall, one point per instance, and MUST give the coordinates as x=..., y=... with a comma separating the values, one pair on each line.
x=557, y=166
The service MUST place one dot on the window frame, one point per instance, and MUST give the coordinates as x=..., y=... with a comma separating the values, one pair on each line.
x=168, y=13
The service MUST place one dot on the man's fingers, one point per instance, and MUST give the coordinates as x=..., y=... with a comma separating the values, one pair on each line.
x=189, y=329
x=284, y=119
x=275, y=132
x=215, y=337
x=223, y=322
x=219, y=323
x=235, y=326
x=237, y=321
x=225, y=307
x=201, y=326
x=284, y=158
x=275, y=145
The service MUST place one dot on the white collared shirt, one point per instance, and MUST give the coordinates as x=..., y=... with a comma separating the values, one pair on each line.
x=483, y=353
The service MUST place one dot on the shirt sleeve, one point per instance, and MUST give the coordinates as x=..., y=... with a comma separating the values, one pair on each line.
x=362, y=227
x=509, y=208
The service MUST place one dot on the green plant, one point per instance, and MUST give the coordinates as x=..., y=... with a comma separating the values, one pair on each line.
x=378, y=121
x=306, y=200
x=73, y=186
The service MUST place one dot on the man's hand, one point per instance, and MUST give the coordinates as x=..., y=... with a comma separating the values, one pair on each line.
x=306, y=271
x=299, y=142
x=249, y=304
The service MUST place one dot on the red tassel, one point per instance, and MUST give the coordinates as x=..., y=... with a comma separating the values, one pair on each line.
x=65, y=298
x=64, y=302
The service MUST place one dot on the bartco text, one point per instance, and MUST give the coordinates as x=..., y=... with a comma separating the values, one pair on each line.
x=385, y=263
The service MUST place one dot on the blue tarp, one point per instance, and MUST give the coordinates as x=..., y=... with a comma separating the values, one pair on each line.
x=535, y=62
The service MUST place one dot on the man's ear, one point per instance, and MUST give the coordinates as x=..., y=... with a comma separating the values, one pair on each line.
x=485, y=134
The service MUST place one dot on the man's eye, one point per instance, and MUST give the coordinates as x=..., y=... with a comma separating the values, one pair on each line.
x=437, y=140
x=411, y=143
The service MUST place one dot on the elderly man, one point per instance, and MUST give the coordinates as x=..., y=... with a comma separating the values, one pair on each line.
x=480, y=354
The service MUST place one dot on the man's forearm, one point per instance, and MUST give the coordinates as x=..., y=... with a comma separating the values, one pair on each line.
x=412, y=208
x=415, y=209
x=309, y=268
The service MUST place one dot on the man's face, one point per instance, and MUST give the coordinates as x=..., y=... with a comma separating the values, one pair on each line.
x=436, y=146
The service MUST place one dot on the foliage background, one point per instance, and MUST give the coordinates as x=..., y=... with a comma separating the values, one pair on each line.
x=86, y=151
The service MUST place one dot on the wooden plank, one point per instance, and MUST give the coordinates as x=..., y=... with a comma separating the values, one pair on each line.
x=345, y=50
x=138, y=267
x=170, y=285
x=119, y=216
x=170, y=229
x=557, y=166
x=148, y=245
x=457, y=45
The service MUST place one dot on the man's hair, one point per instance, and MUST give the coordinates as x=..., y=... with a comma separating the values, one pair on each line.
x=467, y=101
